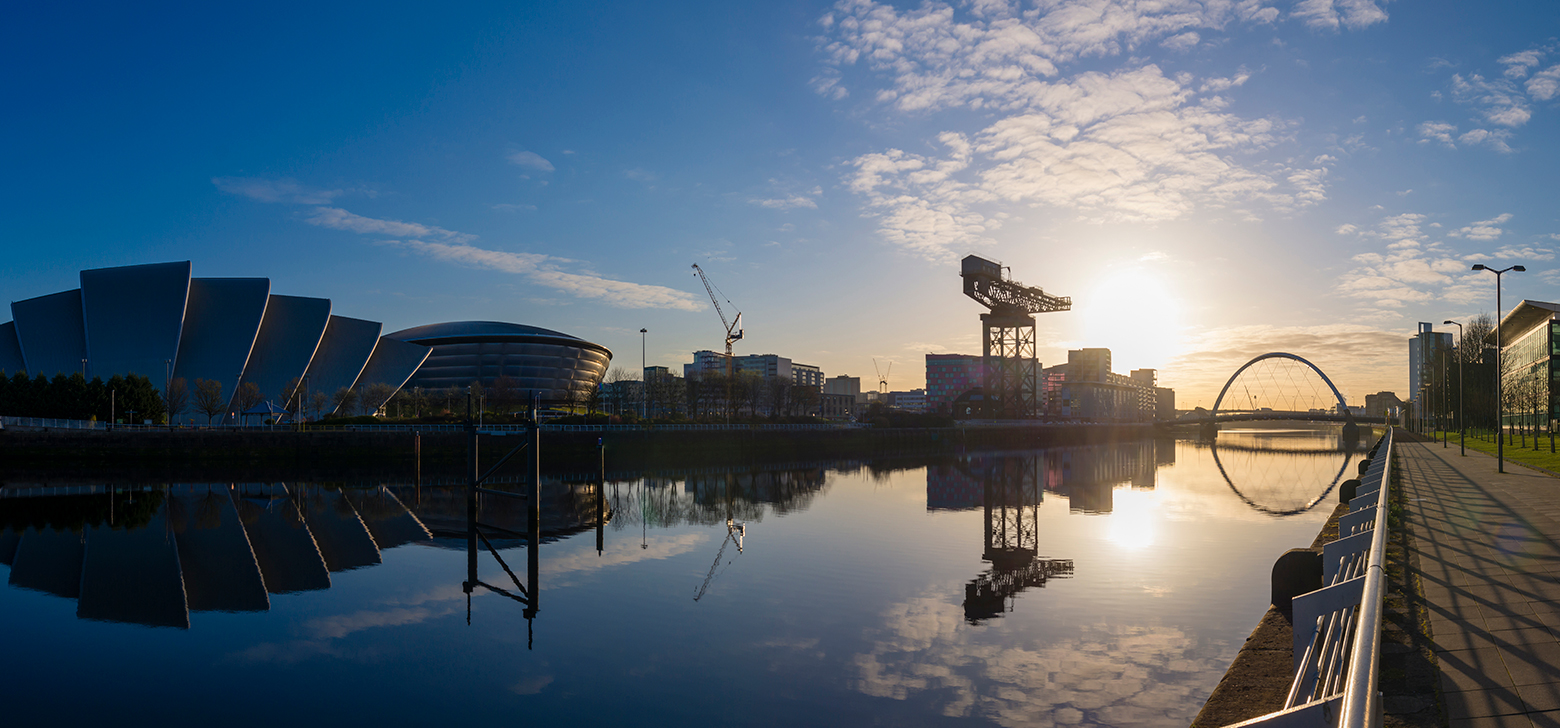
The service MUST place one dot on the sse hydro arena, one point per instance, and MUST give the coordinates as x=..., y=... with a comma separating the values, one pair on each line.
x=157, y=321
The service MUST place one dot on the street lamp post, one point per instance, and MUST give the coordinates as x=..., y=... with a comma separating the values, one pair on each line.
x=644, y=381
x=1500, y=419
x=1462, y=417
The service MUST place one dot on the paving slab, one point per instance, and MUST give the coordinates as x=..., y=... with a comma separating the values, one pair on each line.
x=1489, y=558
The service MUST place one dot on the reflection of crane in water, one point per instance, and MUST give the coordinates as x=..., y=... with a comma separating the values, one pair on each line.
x=735, y=532
x=1012, y=506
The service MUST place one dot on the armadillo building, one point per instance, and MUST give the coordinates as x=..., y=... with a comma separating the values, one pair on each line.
x=159, y=322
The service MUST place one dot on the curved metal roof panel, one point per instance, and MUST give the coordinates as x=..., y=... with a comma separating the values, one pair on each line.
x=50, y=333
x=289, y=335
x=11, y=359
x=393, y=362
x=133, y=318
x=220, y=325
x=344, y=351
x=467, y=329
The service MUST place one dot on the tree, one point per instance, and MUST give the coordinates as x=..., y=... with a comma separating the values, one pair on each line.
x=345, y=402
x=247, y=397
x=374, y=396
x=177, y=398
x=1471, y=348
x=503, y=394
x=208, y=398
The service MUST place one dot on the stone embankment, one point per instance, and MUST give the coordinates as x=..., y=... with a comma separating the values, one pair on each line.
x=290, y=454
x=1258, y=681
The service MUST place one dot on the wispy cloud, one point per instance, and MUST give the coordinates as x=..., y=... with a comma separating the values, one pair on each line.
x=789, y=201
x=530, y=160
x=1483, y=229
x=336, y=218
x=544, y=270
x=1333, y=14
x=1413, y=268
x=276, y=190
x=1133, y=144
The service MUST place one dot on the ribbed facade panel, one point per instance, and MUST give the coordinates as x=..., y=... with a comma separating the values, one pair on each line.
x=49, y=331
x=220, y=324
x=133, y=317
x=344, y=351
x=11, y=359
x=289, y=335
x=392, y=363
x=551, y=370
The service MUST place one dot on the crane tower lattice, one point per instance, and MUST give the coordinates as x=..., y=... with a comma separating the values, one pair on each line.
x=1008, y=335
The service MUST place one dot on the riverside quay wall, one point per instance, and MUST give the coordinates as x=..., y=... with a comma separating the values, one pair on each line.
x=289, y=454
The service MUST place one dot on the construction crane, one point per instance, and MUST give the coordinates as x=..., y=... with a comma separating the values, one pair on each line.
x=1008, y=335
x=883, y=376
x=733, y=326
x=735, y=533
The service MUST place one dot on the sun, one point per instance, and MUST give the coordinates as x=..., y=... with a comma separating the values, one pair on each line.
x=1134, y=311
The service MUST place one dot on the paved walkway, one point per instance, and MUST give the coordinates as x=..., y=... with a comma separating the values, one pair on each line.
x=1489, y=555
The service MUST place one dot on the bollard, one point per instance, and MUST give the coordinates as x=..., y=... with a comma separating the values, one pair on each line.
x=1364, y=465
x=1298, y=571
x=1347, y=490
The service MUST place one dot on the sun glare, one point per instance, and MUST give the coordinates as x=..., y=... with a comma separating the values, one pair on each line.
x=1136, y=313
x=1132, y=522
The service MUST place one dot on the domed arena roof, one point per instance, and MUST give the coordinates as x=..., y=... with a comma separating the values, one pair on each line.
x=458, y=332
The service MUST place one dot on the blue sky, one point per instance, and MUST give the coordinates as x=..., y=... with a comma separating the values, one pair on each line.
x=1208, y=180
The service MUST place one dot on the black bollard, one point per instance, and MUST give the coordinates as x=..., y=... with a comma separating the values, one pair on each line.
x=1347, y=490
x=1298, y=571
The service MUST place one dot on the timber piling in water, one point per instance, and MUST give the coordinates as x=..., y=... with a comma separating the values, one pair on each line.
x=327, y=453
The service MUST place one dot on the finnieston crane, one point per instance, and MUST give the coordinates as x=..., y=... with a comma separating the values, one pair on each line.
x=733, y=327
x=1008, y=333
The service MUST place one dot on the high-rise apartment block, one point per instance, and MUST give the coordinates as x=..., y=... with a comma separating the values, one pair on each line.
x=1424, y=350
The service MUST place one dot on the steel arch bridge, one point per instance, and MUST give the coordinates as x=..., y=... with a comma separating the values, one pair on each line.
x=1341, y=414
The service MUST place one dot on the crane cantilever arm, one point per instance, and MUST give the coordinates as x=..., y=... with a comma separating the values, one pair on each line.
x=713, y=298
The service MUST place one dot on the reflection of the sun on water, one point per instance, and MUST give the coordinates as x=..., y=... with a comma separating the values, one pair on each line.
x=1132, y=523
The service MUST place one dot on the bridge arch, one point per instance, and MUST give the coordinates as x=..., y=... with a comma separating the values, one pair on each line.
x=1343, y=405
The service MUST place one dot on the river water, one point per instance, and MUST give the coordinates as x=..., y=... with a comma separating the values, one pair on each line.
x=1102, y=585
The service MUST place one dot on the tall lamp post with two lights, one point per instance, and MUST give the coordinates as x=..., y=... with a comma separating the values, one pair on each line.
x=1462, y=417
x=1500, y=415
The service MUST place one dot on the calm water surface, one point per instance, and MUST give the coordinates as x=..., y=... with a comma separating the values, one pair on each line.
x=1103, y=585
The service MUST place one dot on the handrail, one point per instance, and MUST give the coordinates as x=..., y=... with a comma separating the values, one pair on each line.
x=1360, y=696
x=1337, y=628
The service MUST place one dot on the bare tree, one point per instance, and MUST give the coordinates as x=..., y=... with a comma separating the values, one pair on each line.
x=345, y=401
x=503, y=394
x=318, y=401
x=247, y=397
x=177, y=398
x=1471, y=349
x=208, y=398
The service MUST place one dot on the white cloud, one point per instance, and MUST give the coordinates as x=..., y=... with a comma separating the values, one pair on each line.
x=1413, y=268
x=1132, y=144
x=507, y=207
x=531, y=160
x=785, y=203
x=1181, y=42
x=1331, y=14
x=275, y=190
x=1545, y=84
x=1437, y=131
x=336, y=218
x=1498, y=100
x=1483, y=229
x=1524, y=252
x=1518, y=64
x=543, y=270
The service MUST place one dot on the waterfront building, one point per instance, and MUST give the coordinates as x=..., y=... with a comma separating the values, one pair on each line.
x=1425, y=350
x=1530, y=338
x=1382, y=404
x=158, y=321
x=1085, y=388
x=705, y=362
x=951, y=376
x=843, y=385
x=911, y=401
x=508, y=360
x=832, y=406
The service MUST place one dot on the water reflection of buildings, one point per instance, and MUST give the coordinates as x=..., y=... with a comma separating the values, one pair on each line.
x=159, y=555
x=1085, y=475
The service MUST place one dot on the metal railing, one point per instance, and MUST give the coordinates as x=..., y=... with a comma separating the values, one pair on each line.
x=41, y=423
x=1337, y=629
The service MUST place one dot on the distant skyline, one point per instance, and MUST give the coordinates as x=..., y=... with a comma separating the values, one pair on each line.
x=1208, y=180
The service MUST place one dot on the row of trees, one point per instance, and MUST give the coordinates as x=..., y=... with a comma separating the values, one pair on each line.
x=72, y=397
x=1469, y=398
